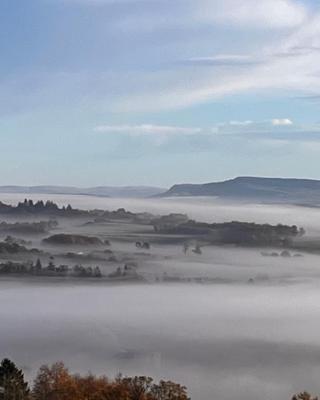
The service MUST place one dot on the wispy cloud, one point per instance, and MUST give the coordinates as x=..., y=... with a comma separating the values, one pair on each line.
x=147, y=82
x=274, y=128
x=238, y=123
x=223, y=60
x=231, y=127
x=147, y=129
x=249, y=136
x=290, y=64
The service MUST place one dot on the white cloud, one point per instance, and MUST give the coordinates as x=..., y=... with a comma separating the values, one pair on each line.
x=259, y=129
x=241, y=123
x=281, y=122
x=255, y=13
x=225, y=60
x=147, y=129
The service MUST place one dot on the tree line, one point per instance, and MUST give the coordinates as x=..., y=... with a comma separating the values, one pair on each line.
x=55, y=382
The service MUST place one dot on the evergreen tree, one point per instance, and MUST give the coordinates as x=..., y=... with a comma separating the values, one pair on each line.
x=12, y=382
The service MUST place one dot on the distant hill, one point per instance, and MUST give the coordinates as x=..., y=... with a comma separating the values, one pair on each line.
x=101, y=191
x=271, y=190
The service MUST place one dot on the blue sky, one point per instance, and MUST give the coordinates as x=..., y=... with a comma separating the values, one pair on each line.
x=127, y=92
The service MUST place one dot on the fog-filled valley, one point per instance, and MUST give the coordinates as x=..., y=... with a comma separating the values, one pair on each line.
x=160, y=200
x=226, y=320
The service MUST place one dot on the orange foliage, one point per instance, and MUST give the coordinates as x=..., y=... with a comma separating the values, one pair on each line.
x=56, y=383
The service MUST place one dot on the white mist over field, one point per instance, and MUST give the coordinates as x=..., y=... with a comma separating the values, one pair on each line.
x=228, y=340
x=200, y=208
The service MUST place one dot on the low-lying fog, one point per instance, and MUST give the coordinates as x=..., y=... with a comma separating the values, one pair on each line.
x=224, y=341
x=200, y=208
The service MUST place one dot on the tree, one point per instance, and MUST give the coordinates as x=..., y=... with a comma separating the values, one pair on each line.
x=91, y=387
x=54, y=383
x=138, y=387
x=38, y=266
x=51, y=266
x=97, y=272
x=304, y=396
x=116, y=392
x=39, y=205
x=167, y=390
x=12, y=381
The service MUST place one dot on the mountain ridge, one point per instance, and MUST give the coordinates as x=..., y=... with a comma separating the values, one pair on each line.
x=288, y=190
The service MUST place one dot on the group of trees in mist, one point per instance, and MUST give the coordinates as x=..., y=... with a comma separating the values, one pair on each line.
x=49, y=208
x=55, y=382
x=235, y=232
x=28, y=228
x=28, y=207
x=31, y=268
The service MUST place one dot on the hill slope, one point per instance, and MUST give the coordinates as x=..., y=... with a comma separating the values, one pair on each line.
x=286, y=190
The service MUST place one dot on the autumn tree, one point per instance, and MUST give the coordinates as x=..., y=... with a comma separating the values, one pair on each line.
x=91, y=387
x=138, y=387
x=54, y=383
x=143, y=388
x=116, y=391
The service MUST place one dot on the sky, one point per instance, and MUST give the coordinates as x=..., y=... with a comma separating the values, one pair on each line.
x=158, y=92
